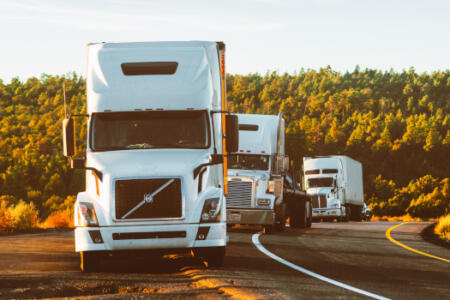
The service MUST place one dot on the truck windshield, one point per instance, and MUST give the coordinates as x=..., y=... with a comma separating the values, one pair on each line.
x=149, y=129
x=320, y=182
x=248, y=162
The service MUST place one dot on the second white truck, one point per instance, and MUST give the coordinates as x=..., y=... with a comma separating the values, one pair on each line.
x=335, y=185
x=260, y=189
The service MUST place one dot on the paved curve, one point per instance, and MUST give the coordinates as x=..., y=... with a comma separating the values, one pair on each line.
x=357, y=254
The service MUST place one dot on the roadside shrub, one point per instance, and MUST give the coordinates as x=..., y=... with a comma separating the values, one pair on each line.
x=443, y=228
x=61, y=215
x=59, y=219
x=6, y=220
x=24, y=215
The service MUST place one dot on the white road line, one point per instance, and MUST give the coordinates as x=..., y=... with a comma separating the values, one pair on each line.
x=255, y=239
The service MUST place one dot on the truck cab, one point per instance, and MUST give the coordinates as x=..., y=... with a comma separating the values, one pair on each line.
x=155, y=173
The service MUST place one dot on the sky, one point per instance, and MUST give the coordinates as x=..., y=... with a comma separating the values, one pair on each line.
x=50, y=36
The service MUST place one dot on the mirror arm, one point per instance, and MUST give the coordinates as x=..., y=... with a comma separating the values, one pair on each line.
x=97, y=172
x=213, y=160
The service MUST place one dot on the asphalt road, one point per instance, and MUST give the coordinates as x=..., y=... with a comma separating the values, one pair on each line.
x=356, y=254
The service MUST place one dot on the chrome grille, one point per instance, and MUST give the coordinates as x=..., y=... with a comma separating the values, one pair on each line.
x=239, y=193
x=323, y=200
x=164, y=203
x=319, y=201
x=315, y=201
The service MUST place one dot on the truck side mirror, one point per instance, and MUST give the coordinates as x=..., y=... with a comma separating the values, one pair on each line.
x=278, y=164
x=68, y=137
x=78, y=163
x=232, y=131
x=286, y=164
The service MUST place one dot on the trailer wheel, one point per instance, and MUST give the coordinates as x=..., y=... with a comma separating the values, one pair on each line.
x=294, y=213
x=309, y=222
x=303, y=216
x=89, y=261
x=356, y=213
x=214, y=256
x=280, y=218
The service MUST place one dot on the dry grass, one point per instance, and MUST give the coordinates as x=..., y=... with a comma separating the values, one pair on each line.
x=404, y=218
x=443, y=228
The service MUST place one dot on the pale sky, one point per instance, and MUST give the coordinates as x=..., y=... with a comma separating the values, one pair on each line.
x=49, y=36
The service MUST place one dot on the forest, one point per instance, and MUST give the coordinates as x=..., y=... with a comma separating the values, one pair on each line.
x=396, y=123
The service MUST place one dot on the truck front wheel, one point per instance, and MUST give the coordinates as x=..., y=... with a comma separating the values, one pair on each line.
x=309, y=214
x=268, y=229
x=89, y=261
x=214, y=256
x=347, y=215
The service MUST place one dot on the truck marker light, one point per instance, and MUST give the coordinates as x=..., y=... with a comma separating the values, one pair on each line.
x=149, y=109
x=270, y=187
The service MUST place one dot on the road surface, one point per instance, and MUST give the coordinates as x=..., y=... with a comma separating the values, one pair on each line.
x=357, y=255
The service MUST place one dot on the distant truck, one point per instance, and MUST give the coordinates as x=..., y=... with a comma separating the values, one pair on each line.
x=260, y=189
x=157, y=139
x=335, y=185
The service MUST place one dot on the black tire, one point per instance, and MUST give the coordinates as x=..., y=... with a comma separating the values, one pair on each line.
x=309, y=217
x=303, y=218
x=356, y=213
x=280, y=219
x=268, y=229
x=348, y=213
x=214, y=256
x=90, y=261
x=294, y=215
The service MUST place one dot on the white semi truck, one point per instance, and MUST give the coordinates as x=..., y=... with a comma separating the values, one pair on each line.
x=156, y=150
x=260, y=189
x=335, y=185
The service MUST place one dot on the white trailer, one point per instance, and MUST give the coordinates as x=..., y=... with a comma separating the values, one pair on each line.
x=257, y=178
x=155, y=172
x=335, y=185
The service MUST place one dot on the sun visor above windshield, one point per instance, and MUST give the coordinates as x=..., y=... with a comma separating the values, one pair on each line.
x=153, y=75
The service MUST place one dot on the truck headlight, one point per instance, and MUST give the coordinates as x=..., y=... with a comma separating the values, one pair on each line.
x=336, y=205
x=86, y=214
x=263, y=202
x=270, y=187
x=210, y=212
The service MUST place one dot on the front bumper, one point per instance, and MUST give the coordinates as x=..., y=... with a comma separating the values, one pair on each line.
x=326, y=213
x=250, y=216
x=151, y=237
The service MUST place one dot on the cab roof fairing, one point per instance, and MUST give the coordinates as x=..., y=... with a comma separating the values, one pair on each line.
x=264, y=139
x=195, y=84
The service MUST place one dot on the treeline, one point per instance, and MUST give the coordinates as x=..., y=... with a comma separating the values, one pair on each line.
x=396, y=124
